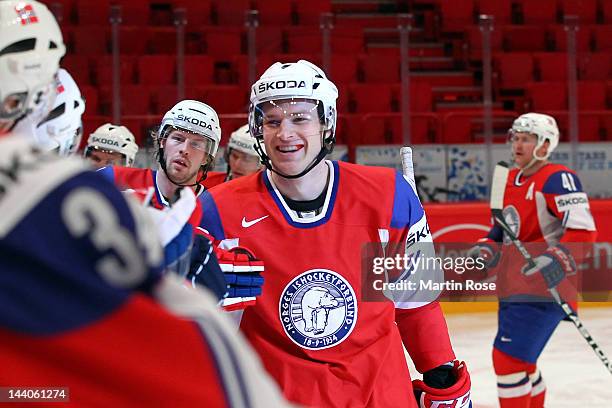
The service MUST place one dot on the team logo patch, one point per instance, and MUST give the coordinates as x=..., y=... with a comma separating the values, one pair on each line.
x=318, y=309
x=26, y=13
x=512, y=218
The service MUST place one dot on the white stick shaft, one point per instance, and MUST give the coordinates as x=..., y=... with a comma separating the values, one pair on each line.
x=407, y=167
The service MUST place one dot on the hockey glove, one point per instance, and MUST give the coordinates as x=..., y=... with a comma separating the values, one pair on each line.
x=488, y=253
x=444, y=386
x=204, y=269
x=553, y=264
x=242, y=272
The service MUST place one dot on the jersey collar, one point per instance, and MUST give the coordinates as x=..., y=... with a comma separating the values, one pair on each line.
x=328, y=206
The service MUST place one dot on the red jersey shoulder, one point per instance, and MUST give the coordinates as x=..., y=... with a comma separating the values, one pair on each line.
x=131, y=177
x=214, y=178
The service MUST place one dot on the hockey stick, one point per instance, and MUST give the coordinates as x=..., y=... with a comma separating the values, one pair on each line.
x=407, y=167
x=498, y=186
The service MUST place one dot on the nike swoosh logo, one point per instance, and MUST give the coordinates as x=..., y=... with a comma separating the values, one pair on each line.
x=247, y=224
x=505, y=339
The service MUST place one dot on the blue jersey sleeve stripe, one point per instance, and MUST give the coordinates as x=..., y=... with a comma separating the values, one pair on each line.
x=211, y=220
x=108, y=172
x=554, y=184
x=407, y=209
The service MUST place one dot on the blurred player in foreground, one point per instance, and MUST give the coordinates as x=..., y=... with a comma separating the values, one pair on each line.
x=309, y=217
x=543, y=203
x=84, y=305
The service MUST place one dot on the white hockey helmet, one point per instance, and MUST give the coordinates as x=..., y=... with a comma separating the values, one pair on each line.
x=31, y=46
x=242, y=141
x=195, y=117
x=541, y=125
x=63, y=124
x=300, y=80
x=115, y=139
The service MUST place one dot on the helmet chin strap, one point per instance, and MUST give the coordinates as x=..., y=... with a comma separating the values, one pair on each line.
x=326, y=148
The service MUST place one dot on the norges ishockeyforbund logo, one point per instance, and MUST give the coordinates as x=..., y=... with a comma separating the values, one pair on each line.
x=318, y=309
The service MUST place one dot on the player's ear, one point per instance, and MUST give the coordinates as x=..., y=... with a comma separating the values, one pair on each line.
x=543, y=150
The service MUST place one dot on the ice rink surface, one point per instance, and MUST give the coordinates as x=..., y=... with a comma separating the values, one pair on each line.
x=574, y=376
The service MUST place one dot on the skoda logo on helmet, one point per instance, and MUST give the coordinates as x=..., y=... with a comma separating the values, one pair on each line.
x=282, y=84
x=195, y=121
x=108, y=142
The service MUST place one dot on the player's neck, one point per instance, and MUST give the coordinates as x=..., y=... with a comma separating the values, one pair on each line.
x=531, y=170
x=166, y=187
x=306, y=188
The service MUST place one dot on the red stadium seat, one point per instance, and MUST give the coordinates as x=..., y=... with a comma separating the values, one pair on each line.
x=370, y=97
x=274, y=13
x=603, y=38
x=501, y=10
x=473, y=36
x=381, y=68
x=134, y=40
x=591, y=95
x=552, y=66
x=90, y=94
x=419, y=129
x=135, y=99
x=223, y=41
x=304, y=39
x=103, y=70
x=347, y=40
x=606, y=121
x=607, y=11
x=240, y=68
x=226, y=98
x=524, y=38
x=91, y=12
x=136, y=13
x=91, y=40
x=232, y=12
x=156, y=69
x=514, y=69
x=79, y=67
x=198, y=11
x=547, y=96
x=540, y=11
x=586, y=10
x=456, y=128
x=269, y=40
x=199, y=70
x=456, y=14
x=421, y=96
x=583, y=37
x=344, y=69
x=595, y=66
x=588, y=128
x=309, y=12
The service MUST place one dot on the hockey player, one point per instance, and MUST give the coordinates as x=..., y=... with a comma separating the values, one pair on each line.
x=188, y=140
x=62, y=129
x=240, y=156
x=111, y=145
x=309, y=218
x=84, y=306
x=544, y=203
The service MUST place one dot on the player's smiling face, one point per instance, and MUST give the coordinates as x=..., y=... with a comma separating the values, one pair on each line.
x=184, y=153
x=292, y=134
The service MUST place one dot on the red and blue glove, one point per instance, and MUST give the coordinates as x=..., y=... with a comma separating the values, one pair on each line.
x=554, y=264
x=242, y=271
x=446, y=386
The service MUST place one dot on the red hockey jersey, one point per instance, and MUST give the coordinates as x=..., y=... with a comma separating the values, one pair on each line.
x=319, y=339
x=540, y=209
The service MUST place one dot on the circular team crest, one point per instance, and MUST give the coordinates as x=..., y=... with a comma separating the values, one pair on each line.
x=512, y=218
x=318, y=309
